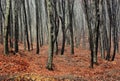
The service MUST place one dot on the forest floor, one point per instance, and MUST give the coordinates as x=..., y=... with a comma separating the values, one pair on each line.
x=28, y=66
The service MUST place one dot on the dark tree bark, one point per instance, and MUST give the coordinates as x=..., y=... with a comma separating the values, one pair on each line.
x=37, y=27
x=2, y=10
x=6, y=26
x=26, y=25
x=114, y=23
x=102, y=29
x=29, y=15
x=51, y=34
x=11, y=24
x=87, y=12
x=71, y=6
x=93, y=31
x=17, y=11
x=63, y=27
x=56, y=31
x=109, y=31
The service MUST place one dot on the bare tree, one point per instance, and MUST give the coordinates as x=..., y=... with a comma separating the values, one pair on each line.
x=51, y=33
x=91, y=9
x=6, y=49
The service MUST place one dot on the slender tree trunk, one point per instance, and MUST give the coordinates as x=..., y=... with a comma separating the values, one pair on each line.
x=63, y=27
x=6, y=49
x=71, y=6
x=109, y=31
x=17, y=11
x=31, y=40
x=114, y=13
x=11, y=24
x=37, y=27
x=50, y=28
x=93, y=32
x=26, y=26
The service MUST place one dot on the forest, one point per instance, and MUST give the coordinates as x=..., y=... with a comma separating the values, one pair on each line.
x=59, y=40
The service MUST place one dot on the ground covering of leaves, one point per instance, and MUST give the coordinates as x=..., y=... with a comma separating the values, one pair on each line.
x=28, y=66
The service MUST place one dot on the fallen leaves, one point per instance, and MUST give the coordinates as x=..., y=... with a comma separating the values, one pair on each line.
x=74, y=65
x=12, y=64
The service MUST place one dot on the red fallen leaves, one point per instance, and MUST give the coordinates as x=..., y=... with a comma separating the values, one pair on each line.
x=77, y=65
x=12, y=64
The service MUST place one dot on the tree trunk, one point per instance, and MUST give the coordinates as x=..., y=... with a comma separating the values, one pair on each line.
x=63, y=27
x=51, y=34
x=6, y=49
x=37, y=27
x=26, y=25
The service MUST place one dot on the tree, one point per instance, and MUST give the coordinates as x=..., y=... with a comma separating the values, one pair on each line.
x=91, y=7
x=114, y=23
x=71, y=7
x=26, y=25
x=56, y=31
x=109, y=30
x=17, y=11
x=6, y=49
x=51, y=33
x=37, y=26
x=1, y=22
x=30, y=24
x=63, y=27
